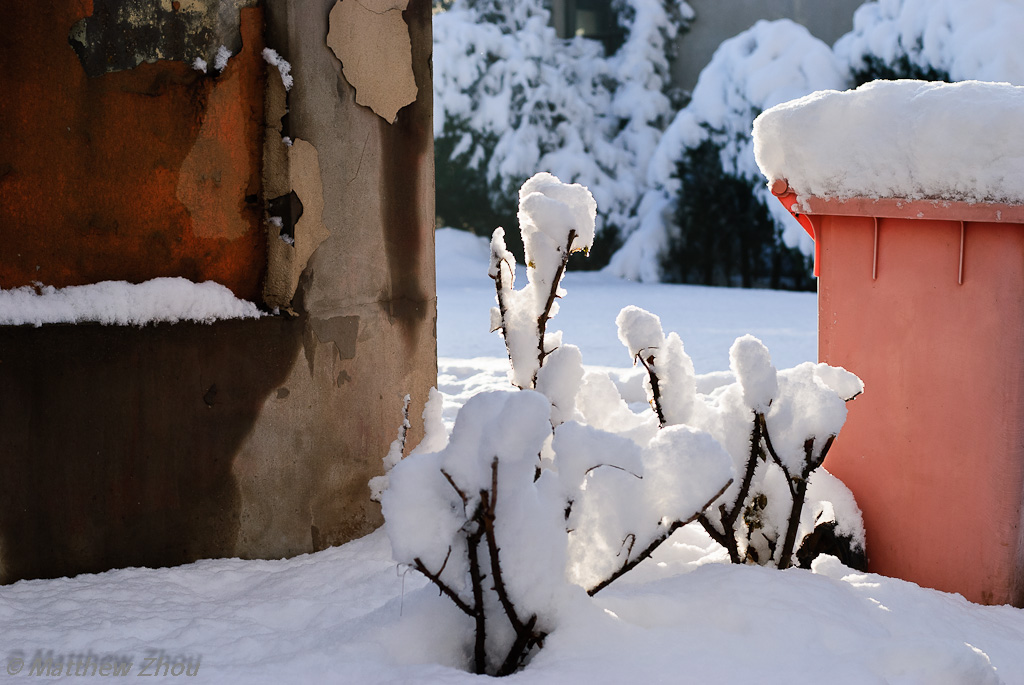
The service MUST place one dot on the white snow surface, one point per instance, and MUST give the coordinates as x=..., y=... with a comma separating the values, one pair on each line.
x=123, y=304
x=350, y=614
x=899, y=139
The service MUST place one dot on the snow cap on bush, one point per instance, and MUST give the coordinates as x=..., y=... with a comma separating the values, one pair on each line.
x=555, y=208
x=559, y=380
x=750, y=360
x=807, y=409
x=841, y=381
x=639, y=330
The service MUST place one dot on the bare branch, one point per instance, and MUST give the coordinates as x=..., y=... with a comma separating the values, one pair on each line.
x=727, y=536
x=477, y=581
x=458, y=490
x=648, y=364
x=442, y=586
x=524, y=641
x=489, y=502
x=632, y=541
x=611, y=466
x=545, y=314
x=786, y=556
x=630, y=564
x=499, y=287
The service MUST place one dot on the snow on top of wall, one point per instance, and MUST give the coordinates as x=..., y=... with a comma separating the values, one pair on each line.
x=904, y=139
x=769, y=63
x=123, y=304
x=967, y=40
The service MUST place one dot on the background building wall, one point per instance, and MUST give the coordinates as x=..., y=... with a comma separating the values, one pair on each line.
x=717, y=20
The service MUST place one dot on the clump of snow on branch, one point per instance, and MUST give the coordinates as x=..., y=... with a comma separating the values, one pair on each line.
x=904, y=139
x=555, y=219
x=123, y=304
x=272, y=58
x=751, y=363
x=518, y=98
x=769, y=63
x=978, y=40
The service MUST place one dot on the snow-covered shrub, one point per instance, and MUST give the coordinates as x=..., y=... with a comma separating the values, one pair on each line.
x=935, y=40
x=526, y=507
x=769, y=63
x=511, y=97
x=761, y=518
x=549, y=493
x=777, y=427
x=513, y=538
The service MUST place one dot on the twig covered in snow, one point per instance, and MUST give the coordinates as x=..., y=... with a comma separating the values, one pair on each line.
x=556, y=219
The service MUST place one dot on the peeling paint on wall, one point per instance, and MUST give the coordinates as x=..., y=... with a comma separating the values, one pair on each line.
x=289, y=170
x=122, y=34
x=371, y=39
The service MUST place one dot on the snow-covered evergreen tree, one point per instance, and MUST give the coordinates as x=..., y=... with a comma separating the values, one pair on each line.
x=511, y=97
x=768, y=64
x=947, y=40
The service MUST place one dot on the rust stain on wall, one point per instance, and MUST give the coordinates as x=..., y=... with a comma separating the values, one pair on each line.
x=210, y=174
x=95, y=164
x=371, y=39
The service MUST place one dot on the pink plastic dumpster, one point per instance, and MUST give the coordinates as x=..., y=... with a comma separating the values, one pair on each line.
x=925, y=302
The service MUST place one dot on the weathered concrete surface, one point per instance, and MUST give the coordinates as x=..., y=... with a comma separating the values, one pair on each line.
x=130, y=175
x=367, y=293
x=161, y=445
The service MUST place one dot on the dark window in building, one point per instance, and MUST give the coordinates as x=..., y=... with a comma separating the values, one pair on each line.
x=593, y=19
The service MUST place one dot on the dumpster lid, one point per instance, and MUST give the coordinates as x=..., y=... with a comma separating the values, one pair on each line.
x=899, y=141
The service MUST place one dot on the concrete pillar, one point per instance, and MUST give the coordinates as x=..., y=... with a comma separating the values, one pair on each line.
x=255, y=438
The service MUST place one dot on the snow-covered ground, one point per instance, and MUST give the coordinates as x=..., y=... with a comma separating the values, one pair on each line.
x=349, y=615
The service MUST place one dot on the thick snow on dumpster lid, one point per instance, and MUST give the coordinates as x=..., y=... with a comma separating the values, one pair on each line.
x=899, y=139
